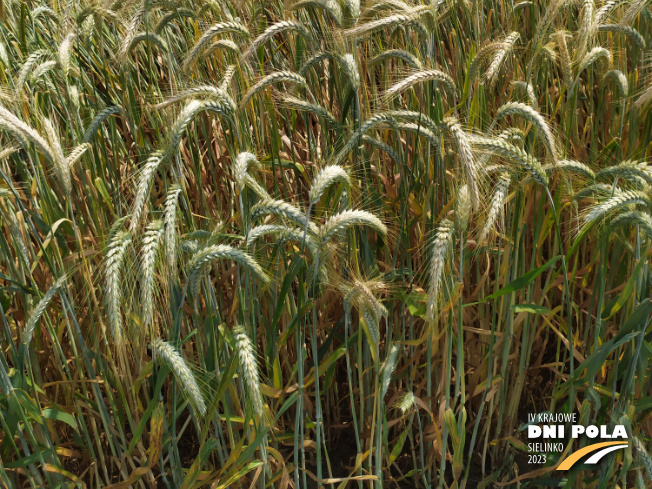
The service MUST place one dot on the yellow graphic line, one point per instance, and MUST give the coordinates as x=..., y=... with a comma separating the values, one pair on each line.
x=570, y=460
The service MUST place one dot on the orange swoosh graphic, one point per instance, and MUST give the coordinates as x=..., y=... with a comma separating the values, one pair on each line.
x=570, y=460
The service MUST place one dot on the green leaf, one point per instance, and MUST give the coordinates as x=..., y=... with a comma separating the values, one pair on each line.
x=523, y=280
x=29, y=405
x=625, y=295
x=240, y=474
x=637, y=319
x=160, y=379
x=596, y=360
x=416, y=303
x=398, y=448
x=195, y=469
x=531, y=308
x=59, y=415
x=229, y=371
x=643, y=404
x=34, y=458
x=296, y=267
